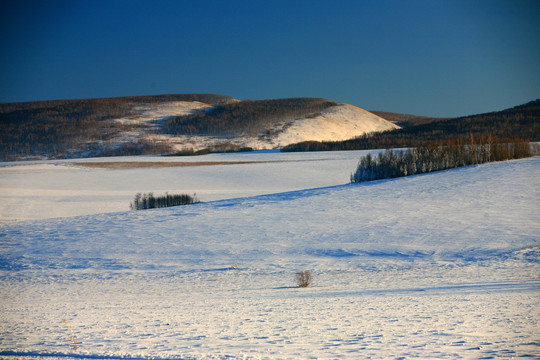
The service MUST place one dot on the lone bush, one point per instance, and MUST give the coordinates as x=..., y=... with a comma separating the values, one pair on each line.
x=303, y=278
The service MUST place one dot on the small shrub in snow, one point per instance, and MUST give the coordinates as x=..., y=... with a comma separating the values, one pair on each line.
x=303, y=278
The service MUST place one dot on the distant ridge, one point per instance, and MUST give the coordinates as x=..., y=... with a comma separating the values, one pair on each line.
x=406, y=120
x=101, y=104
x=198, y=123
x=173, y=124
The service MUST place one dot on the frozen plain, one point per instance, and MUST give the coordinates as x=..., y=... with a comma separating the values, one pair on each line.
x=60, y=188
x=442, y=265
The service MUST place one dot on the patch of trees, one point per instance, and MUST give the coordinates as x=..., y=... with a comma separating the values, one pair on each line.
x=148, y=201
x=521, y=122
x=219, y=148
x=61, y=128
x=139, y=147
x=245, y=117
x=405, y=120
x=436, y=157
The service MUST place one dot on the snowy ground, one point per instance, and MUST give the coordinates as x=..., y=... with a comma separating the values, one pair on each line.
x=442, y=265
x=59, y=188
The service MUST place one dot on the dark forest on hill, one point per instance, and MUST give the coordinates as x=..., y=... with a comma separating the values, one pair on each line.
x=520, y=122
x=63, y=128
x=245, y=117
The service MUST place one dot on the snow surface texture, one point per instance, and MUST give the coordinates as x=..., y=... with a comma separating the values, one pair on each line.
x=341, y=122
x=441, y=265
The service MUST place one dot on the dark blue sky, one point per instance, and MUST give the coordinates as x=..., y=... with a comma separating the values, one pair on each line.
x=425, y=57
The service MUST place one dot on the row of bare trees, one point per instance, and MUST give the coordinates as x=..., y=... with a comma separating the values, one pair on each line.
x=148, y=201
x=435, y=157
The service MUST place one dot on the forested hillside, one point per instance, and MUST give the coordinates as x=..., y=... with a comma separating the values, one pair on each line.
x=245, y=117
x=520, y=122
x=64, y=128
x=406, y=120
x=169, y=124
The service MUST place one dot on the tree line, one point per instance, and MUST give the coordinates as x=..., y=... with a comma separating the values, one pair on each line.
x=436, y=157
x=148, y=201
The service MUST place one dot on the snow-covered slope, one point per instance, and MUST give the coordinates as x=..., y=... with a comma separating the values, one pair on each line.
x=336, y=123
x=442, y=265
x=144, y=121
x=155, y=113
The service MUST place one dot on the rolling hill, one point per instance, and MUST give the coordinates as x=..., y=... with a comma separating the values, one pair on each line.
x=185, y=124
x=86, y=127
x=438, y=266
x=169, y=124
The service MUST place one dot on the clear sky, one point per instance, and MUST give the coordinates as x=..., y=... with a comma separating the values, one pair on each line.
x=424, y=57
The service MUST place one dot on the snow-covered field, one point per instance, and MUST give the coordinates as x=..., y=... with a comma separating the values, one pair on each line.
x=59, y=188
x=441, y=265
